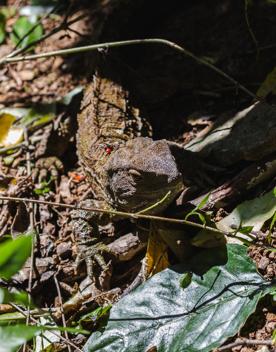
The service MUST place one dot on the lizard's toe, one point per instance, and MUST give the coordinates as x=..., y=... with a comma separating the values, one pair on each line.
x=93, y=256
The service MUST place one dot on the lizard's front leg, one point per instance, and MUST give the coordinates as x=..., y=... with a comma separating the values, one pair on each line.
x=90, y=245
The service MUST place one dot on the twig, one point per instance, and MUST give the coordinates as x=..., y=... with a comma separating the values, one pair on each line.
x=61, y=310
x=63, y=25
x=244, y=342
x=108, y=45
x=68, y=342
x=119, y=213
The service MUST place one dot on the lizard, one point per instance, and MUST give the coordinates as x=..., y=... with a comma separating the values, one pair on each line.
x=127, y=170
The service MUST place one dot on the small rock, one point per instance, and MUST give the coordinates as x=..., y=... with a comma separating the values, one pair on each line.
x=26, y=75
x=263, y=263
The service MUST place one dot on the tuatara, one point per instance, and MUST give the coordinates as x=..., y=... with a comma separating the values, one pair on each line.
x=127, y=170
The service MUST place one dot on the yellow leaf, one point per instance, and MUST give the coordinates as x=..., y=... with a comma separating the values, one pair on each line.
x=156, y=258
x=9, y=135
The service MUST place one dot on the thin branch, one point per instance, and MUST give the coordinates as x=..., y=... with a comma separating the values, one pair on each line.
x=244, y=342
x=119, y=213
x=63, y=25
x=62, y=310
x=108, y=45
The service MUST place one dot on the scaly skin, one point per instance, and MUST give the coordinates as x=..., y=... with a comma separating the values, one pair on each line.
x=127, y=171
x=106, y=122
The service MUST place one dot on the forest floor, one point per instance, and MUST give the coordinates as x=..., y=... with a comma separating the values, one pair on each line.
x=191, y=95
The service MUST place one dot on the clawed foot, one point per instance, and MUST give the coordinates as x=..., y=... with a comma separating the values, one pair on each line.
x=93, y=256
x=51, y=166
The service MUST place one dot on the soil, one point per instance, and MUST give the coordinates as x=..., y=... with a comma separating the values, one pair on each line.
x=179, y=97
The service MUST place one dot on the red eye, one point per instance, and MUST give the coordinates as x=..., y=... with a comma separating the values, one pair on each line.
x=108, y=150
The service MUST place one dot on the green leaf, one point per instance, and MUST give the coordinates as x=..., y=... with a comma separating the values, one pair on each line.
x=250, y=213
x=245, y=229
x=272, y=222
x=274, y=337
x=8, y=11
x=13, y=254
x=11, y=318
x=91, y=319
x=203, y=201
x=38, y=115
x=11, y=337
x=43, y=187
x=2, y=28
x=160, y=314
x=23, y=29
x=186, y=279
x=18, y=297
x=198, y=207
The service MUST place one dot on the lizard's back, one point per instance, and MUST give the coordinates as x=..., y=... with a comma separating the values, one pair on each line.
x=107, y=120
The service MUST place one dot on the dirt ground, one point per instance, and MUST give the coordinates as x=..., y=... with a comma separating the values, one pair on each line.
x=180, y=97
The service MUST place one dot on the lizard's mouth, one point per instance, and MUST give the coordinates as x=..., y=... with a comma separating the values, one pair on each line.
x=133, y=191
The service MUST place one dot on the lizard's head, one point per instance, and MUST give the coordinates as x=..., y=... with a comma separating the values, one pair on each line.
x=141, y=174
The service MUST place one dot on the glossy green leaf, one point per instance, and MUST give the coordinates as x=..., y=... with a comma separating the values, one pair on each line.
x=13, y=254
x=162, y=315
x=11, y=337
x=25, y=32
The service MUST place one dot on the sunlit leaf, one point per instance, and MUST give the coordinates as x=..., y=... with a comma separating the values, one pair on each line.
x=18, y=297
x=162, y=315
x=274, y=337
x=13, y=254
x=38, y=115
x=11, y=337
x=6, y=121
x=253, y=213
x=23, y=29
